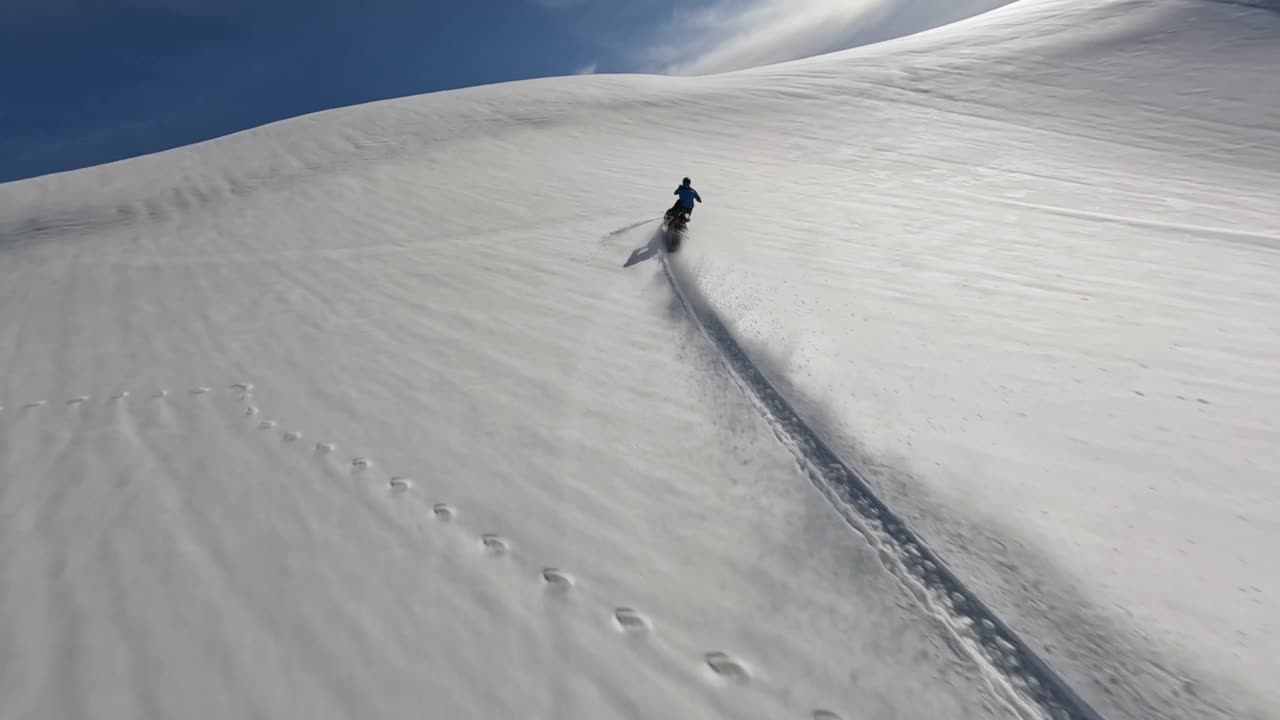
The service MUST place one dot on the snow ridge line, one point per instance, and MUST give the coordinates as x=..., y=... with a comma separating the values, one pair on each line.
x=1014, y=670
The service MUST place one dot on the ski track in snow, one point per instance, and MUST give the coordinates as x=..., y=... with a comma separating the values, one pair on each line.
x=1009, y=664
x=1255, y=238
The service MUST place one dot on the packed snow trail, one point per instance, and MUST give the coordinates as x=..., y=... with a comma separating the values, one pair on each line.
x=973, y=628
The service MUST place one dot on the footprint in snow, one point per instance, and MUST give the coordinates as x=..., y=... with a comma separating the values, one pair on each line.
x=325, y=448
x=727, y=667
x=242, y=387
x=630, y=620
x=494, y=544
x=33, y=405
x=78, y=400
x=361, y=463
x=400, y=484
x=557, y=579
x=292, y=436
x=199, y=390
x=120, y=395
x=266, y=424
x=444, y=511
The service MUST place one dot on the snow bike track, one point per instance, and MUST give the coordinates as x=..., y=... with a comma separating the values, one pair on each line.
x=1015, y=671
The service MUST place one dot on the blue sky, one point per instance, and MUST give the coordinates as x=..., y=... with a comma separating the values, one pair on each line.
x=100, y=80
x=90, y=81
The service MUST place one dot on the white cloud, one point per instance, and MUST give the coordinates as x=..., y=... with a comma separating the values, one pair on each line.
x=586, y=70
x=736, y=34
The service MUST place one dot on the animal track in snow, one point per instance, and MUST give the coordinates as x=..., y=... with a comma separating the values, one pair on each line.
x=495, y=544
x=557, y=579
x=118, y=395
x=727, y=667
x=115, y=396
x=630, y=620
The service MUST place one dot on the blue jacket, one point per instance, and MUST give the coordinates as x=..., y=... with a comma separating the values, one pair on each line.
x=687, y=195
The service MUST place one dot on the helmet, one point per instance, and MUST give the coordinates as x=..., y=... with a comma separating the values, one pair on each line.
x=686, y=181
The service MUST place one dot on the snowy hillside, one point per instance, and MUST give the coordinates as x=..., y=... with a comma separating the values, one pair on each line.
x=397, y=410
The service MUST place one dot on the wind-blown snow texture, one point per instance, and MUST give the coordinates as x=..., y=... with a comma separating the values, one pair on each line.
x=393, y=410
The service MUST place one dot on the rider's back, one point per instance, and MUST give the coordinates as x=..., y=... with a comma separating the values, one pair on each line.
x=687, y=195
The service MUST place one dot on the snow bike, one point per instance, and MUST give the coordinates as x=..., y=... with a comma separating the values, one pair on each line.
x=674, y=225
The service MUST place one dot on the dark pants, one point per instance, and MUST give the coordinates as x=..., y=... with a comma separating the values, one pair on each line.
x=678, y=208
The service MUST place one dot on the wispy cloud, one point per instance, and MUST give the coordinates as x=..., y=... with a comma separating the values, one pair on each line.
x=587, y=69
x=735, y=34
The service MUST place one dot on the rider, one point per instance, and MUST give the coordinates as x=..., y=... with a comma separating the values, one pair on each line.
x=685, y=202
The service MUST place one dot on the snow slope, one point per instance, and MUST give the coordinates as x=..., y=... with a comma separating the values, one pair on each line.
x=444, y=435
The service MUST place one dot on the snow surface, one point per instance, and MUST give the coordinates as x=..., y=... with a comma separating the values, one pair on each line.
x=396, y=410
